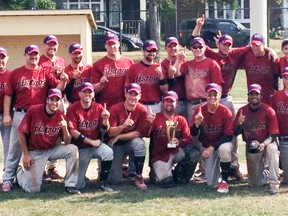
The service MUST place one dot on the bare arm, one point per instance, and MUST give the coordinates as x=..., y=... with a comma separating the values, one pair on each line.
x=7, y=120
x=199, y=23
x=27, y=159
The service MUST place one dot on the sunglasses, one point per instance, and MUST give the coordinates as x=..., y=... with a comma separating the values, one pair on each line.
x=151, y=51
x=197, y=47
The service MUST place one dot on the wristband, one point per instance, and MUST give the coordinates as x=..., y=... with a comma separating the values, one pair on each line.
x=162, y=82
x=80, y=138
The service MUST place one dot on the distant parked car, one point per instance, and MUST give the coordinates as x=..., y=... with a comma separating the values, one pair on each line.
x=129, y=43
x=239, y=33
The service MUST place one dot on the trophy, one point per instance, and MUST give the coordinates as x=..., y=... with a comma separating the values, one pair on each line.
x=171, y=131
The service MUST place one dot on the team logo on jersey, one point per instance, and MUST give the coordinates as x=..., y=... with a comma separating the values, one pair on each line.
x=3, y=87
x=161, y=131
x=281, y=108
x=197, y=73
x=114, y=72
x=46, y=130
x=88, y=125
x=212, y=129
x=30, y=83
x=146, y=79
x=258, y=69
x=229, y=66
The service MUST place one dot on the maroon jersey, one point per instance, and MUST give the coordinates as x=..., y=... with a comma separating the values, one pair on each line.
x=115, y=72
x=30, y=86
x=198, y=75
x=228, y=64
x=158, y=134
x=147, y=77
x=283, y=63
x=179, y=83
x=215, y=125
x=262, y=71
x=4, y=80
x=258, y=125
x=47, y=64
x=279, y=103
x=41, y=129
x=118, y=115
x=74, y=89
x=86, y=121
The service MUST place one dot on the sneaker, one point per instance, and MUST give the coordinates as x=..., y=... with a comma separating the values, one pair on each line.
x=104, y=186
x=53, y=174
x=139, y=182
x=223, y=187
x=235, y=172
x=7, y=186
x=273, y=190
x=72, y=190
x=199, y=178
x=125, y=172
x=46, y=178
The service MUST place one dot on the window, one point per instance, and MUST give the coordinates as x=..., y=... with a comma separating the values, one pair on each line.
x=96, y=5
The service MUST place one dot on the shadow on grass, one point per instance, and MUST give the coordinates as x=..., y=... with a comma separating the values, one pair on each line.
x=128, y=193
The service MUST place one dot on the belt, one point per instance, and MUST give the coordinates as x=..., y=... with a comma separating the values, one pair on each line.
x=19, y=110
x=196, y=101
x=149, y=103
x=283, y=138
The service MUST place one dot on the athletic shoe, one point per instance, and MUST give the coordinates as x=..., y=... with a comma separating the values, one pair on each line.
x=72, y=190
x=104, y=186
x=273, y=190
x=199, y=178
x=46, y=178
x=139, y=182
x=7, y=186
x=223, y=187
x=53, y=174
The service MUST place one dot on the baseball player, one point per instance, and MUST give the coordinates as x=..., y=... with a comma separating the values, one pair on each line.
x=260, y=69
x=197, y=74
x=283, y=61
x=86, y=121
x=49, y=60
x=279, y=103
x=257, y=121
x=213, y=123
x=148, y=74
x=77, y=71
x=129, y=121
x=29, y=85
x=39, y=133
x=4, y=79
x=175, y=57
x=163, y=156
x=109, y=73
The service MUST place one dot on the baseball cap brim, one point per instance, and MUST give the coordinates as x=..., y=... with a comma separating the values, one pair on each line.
x=257, y=42
x=54, y=95
x=135, y=90
x=51, y=40
x=76, y=50
x=87, y=88
x=254, y=90
x=227, y=41
x=171, y=98
x=152, y=47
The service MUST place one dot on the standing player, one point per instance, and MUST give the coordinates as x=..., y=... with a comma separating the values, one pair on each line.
x=260, y=69
x=257, y=122
x=163, y=157
x=4, y=79
x=109, y=73
x=213, y=123
x=129, y=121
x=29, y=84
x=148, y=74
x=175, y=57
x=283, y=61
x=279, y=103
x=77, y=71
x=88, y=122
x=198, y=73
x=39, y=134
x=49, y=60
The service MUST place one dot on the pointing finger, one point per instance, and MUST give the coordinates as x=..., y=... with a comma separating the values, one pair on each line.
x=104, y=106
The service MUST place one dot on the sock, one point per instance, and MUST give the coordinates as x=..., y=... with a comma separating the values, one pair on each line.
x=105, y=168
x=225, y=166
x=139, y=163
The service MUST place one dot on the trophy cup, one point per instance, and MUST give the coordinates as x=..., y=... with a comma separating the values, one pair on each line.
x=171, y=131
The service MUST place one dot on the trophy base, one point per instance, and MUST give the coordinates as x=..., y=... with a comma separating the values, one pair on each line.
x=171, y=145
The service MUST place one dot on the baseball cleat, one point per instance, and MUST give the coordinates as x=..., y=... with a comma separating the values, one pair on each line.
x=223, y=187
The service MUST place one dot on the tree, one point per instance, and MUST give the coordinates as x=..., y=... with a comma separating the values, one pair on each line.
x=27, y=4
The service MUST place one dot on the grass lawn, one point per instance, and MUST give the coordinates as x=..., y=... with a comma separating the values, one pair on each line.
x=190, y=199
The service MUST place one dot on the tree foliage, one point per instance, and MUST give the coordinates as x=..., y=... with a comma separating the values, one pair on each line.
x=27, y=4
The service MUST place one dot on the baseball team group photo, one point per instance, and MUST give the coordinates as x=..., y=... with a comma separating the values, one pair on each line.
x=166, y=130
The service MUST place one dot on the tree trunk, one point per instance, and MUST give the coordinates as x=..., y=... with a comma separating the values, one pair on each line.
x=154, y=22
